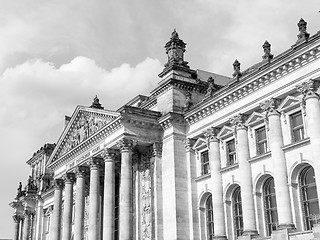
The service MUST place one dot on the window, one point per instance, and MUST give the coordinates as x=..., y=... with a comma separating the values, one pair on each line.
x=209, y=218
x=309, y=197
x=270, y=206
x=237, y=212
x=261, y=139
x=297, y=127
x=231, y=152
x=205, y=164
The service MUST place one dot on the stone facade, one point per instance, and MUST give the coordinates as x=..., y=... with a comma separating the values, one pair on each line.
x=215, y=158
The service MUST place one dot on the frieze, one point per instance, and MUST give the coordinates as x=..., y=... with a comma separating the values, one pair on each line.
x=245, y=89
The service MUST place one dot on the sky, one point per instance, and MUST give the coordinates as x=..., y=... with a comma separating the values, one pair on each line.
x=55, y=55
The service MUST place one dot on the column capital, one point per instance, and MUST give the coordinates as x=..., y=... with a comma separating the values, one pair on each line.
x=157, y=149
x=81, y=171
x=238, y=121
x=28, y=213
x=69, y=178
x=95, y=162
x=270, y=106
x=58, y=183
x=16, y=218
x=125, y=145
x=108, y=154
x=309, y=88
x=211, y=134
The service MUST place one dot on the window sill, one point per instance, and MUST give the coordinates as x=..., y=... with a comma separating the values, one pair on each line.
x=229, y=168
x=202, y=177
x=260, y=157
x=293, y=145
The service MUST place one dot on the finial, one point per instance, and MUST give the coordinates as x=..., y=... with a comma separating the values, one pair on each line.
x=175, y=49
x=96, y=103
x=267, y=51
x=174, y=34
x=236, y=67
x=303, y=35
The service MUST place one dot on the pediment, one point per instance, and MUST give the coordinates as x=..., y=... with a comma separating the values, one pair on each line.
x=255, y=118
x=84, y=123
x=226, y=131
x=288, y=103
x=200, y=144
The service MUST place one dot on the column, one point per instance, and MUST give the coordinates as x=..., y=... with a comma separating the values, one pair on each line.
x=249, y=220
x=94, y=195
x=279, y=163
x=125, y=211
x=39, y=222
x=157, y=191
x=55, y=230
x=109, y=193
x=16, y=220
x=79, y=205
x=26, y=224
x=69, y=179
x=216, y=179
x=311, y=97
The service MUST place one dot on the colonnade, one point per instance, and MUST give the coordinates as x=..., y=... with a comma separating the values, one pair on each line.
x=78, y=177
x=285, y=218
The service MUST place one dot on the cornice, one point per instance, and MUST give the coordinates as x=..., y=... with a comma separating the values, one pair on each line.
x=249, y=83
x=171, y=119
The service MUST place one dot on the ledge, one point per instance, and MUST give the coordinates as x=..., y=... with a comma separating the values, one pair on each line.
x=288, y=147
x=203, y=177
x=260, y=157
x=229, y=168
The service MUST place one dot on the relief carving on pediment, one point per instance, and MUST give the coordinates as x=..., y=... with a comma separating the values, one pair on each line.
x=85, y=125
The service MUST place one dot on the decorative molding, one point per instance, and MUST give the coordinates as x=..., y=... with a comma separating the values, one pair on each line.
x=125, y=144
x=69, y=178
x=211, y=134
x=58, y=183
x=238, y=121
x=157, y=149
x=81, y=171
x=108, y=154
x=95, y=163
x=309, y=88
x=253, y=81
x=171, y=119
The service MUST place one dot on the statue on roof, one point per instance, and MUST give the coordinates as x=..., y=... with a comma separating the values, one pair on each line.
x=303, y=35
x=236, y=67
x=96, y=103
x=212, y=87
x=267, y=51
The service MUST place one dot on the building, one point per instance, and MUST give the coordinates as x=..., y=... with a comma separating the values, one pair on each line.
x=202, y=157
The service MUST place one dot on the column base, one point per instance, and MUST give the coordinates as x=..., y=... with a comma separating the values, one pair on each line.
x=220, y=237
x=289, y=226
x=250, y=233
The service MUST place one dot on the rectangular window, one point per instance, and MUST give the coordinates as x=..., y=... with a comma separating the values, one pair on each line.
x=231, y=152
x=297, y=128
x=261, y=139
x=205, y=164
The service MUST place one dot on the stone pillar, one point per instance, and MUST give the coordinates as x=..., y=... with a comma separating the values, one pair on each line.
x=109, y=194
x=69, y=179
x=279, y=164
x=94, y=195
x=39, y=222
x=216, y=180
x=125, y=211
x=55, y=229
x=249, y=220
x=157, y=191
x=311, y=97
x=27, y=224
x=79, y=205
x=16, y=221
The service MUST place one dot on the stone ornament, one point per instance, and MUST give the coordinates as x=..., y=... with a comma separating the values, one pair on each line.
x=303, y=36
x=238, y=121
x=58, y=183
x=309, y=88
x=211, y=134
x=81, y=171
x=212, y=87
x=69, y=178
x=108, y=154
x=95, y=163
x=267, y=51
x=270, y=106
x=96, y=103
x=157, y=149
x=28, y=213
x=125, y=144
x=236, y=67
x=175, y=49
x=17, y=218
x=188, y=102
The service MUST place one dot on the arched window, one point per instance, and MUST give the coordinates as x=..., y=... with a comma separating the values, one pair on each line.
x=209, y=218
x=237, y=212
x=270, y=205
x=309, y=197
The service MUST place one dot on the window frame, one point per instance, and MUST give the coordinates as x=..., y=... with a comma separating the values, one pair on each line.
x=237, y=212
x=209, y=224
x=205, y=166
x=293, y=129
x=268, y=208
x=263, y=142
x=232, y=153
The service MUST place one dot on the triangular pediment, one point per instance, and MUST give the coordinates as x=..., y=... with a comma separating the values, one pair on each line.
x=255, y=118
x=84, y=123
x=200, y=144
x=288, y=103
x=226, y=131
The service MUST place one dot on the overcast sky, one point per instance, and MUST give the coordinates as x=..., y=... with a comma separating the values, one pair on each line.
x=55, y=55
